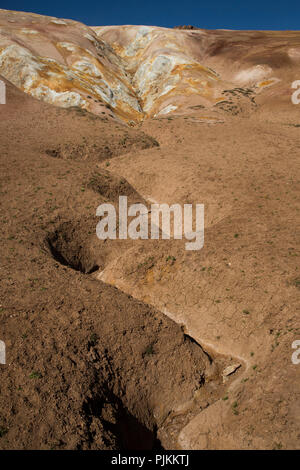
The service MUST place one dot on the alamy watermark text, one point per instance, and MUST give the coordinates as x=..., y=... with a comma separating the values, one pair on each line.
x=138, y=228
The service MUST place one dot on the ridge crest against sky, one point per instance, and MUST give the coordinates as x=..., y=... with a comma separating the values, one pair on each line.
x=257, y=15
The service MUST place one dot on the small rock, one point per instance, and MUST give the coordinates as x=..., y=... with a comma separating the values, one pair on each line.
x=229, y=370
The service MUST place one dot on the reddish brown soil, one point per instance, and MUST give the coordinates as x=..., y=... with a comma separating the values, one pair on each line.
x=89, y=365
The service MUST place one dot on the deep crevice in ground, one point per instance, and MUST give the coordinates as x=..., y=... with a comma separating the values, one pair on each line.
x=73, y=243
x=127, y=431
x=141, y=372
x=76, y=263
x=135, y=427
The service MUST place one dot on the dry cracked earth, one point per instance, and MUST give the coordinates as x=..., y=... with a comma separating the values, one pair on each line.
x=141, y=344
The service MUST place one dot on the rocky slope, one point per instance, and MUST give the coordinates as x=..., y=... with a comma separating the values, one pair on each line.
x=143, y=71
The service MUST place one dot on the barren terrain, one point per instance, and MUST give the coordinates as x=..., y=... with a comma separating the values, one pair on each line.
x=124, y=344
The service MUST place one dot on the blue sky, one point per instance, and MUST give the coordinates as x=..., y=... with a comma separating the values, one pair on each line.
x=234, y=14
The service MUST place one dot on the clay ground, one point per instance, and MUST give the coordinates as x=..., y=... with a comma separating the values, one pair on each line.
x=114, y=344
